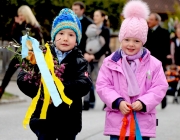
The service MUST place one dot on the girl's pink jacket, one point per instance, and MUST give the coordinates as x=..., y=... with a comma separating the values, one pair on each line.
x=111, y=84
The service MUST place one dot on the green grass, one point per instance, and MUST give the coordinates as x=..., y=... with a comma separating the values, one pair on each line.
x=8, y=95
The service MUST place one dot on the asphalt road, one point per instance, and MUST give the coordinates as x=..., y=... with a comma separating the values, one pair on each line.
x=12, y=114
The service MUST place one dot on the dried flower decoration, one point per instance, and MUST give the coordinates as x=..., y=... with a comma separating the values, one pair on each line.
x=29, y=65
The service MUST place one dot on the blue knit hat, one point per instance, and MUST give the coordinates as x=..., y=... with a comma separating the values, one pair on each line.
x=67, y=20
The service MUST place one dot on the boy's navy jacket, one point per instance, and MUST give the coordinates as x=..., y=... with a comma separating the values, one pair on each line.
x=62, y=119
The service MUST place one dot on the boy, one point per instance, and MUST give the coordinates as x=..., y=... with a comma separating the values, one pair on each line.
x=62, y=122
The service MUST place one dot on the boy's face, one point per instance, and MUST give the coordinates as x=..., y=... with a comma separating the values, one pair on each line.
x=65, y=40
x=131, y=46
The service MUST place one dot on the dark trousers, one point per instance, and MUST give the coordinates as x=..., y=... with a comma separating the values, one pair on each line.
x=117, y=138
x=44, y=131
x=164, y=101
x=9, y=72
x=51, y=137
x=89, y=99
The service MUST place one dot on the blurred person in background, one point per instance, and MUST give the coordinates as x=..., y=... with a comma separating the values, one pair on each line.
x=25, y=19
x=101, y=21
x=158, y=43
x=173, y=70
x=175, y=47
x=79, y=9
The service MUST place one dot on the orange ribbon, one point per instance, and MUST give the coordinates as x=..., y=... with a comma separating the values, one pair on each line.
x=124, y=127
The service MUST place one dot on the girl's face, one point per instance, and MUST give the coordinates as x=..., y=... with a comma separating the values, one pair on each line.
x=21, y=17
x=65, y=40
x=98, y=17
x=131, y=46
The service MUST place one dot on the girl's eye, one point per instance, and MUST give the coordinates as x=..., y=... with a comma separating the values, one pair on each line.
x=126, y=39
x=137, y=41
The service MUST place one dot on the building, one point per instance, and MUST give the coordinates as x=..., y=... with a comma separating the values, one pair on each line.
x=162, y=7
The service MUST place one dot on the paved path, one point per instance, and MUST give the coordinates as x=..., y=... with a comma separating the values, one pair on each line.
x=12, y=114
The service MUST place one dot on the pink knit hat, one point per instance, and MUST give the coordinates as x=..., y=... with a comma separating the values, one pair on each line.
x=135, y=25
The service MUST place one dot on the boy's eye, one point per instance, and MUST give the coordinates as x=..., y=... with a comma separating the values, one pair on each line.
x=71, y=35
x=61, y=33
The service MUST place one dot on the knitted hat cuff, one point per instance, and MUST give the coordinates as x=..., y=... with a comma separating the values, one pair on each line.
x=66, y=25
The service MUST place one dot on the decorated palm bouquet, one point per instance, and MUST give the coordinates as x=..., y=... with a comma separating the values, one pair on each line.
x=29, y=65
x=42, y=69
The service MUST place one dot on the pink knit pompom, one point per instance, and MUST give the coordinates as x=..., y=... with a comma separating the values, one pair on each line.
x=136, y=8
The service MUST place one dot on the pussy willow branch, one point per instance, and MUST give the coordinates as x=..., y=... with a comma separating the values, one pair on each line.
x=13, y=51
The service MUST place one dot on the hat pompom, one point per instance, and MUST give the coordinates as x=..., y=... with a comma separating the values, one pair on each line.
x=136, y=8
x=66, y=11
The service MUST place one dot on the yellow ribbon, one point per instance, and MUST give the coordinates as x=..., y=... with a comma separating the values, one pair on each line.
x=59, y=85
x=31, y=108
x=46, y=101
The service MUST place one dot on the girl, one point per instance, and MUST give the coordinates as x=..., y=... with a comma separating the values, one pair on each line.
x=131, y=80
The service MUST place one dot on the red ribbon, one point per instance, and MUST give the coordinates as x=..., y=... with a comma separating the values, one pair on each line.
x=124, y=127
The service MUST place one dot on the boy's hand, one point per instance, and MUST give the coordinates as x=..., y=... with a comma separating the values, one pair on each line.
x=50, y=101
x=137, y=106
x=123, y=107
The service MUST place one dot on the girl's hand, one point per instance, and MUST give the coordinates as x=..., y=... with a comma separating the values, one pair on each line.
x=123, y=107
x=137, y=106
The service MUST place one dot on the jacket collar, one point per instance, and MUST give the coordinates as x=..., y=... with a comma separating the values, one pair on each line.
x=155, y=27
x=117, y=55
x=72, y=55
